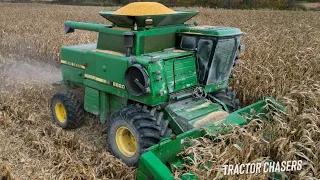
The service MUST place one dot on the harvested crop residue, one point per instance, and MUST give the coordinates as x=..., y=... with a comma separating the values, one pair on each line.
x=32, y=145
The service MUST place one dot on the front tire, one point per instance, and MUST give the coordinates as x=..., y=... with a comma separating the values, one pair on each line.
x=67, y=110
x=133, y=129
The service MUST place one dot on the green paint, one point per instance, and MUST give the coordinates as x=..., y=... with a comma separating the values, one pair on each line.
x=153, y=40
x=158, y=20
x=172, y=75
x=217, y=31
x=216, y=87
x=109, y=62
x=116, y=102
x=85, y=26
x=91, y=101
x=166, y=151
x=180, y=73
x=157, y=42
x=110, y=44
x=104, y=107
x=193, y=109
x=153, y=167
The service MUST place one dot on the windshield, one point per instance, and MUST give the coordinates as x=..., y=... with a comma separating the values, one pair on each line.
x=223, y=60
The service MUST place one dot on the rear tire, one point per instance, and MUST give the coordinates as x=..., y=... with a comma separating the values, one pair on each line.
x=133, y=129
x=228, y=97
x=67, y=110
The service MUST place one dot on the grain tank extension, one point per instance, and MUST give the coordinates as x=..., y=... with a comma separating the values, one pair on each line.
x=154, y=81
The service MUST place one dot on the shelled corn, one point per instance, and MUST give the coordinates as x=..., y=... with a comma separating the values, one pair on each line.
x=143, y=8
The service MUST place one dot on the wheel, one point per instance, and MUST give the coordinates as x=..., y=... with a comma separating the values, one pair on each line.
x=67, y=110
x=228, y=97
x=133, y=129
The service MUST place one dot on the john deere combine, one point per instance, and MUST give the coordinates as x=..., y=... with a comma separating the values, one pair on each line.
x=161, y=80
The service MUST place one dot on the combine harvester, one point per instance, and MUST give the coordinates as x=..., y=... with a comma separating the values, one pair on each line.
x=161, y=80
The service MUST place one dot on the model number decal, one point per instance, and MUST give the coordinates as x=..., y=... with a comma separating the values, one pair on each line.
x=118, y=85
x=104, y=81
x=72, y=64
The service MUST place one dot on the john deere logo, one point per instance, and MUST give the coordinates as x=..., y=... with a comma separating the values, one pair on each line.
x=72, y=64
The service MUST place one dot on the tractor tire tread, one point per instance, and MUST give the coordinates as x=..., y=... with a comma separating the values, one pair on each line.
x=148, y=122
x=73, y=106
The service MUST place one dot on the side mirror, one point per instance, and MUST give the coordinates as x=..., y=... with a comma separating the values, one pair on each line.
x=242, y=47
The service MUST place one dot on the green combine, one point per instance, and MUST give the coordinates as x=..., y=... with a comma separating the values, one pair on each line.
x=155, y=82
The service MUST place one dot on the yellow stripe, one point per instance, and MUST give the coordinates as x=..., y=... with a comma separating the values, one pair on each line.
x=96, y=79
x=121, y=28
x=104, y=81
x=109, y=52
x=72, y=64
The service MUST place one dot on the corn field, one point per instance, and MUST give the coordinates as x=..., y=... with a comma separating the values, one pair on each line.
x=281, y=60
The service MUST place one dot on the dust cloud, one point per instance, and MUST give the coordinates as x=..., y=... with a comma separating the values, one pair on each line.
x=17, y=71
